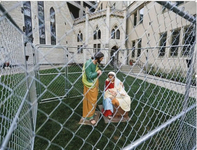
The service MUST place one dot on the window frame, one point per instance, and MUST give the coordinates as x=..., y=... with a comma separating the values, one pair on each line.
x=53, y=34
x=79, y=37
x=79, y=49
x=41, y=23
x=97, y=33
x=28, y=21
x=162, y=44
x=133, y=49
x=115, y=33
x=141, y=18
x=174, y=42
x=96, y=48
x=189, y=41
x=139, y=46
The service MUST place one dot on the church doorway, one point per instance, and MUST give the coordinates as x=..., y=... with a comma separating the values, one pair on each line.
x=114, y=57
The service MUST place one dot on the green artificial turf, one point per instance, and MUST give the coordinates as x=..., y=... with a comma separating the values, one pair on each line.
x=57, y=120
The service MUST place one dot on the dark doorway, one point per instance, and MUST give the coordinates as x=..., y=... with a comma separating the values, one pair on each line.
x=114, y=57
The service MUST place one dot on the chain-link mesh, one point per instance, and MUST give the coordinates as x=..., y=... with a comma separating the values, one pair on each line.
x=149, y=45
x=17, y=115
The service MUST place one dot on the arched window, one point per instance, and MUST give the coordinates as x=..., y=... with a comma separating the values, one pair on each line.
x=41, y=22
x=115, y=33
x=52, y=26
x=97, y=33
x=79, y=37
x=28, y=21
x=118, y=34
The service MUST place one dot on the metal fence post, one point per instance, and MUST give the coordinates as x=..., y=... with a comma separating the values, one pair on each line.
x=31, y=86
x=66, y=72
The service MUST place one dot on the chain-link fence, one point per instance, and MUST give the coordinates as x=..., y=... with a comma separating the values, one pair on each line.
x=17, y=105
x=151, y=46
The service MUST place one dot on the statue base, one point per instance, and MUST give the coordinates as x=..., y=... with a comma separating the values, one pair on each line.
x=84, y=121
x=119, y=115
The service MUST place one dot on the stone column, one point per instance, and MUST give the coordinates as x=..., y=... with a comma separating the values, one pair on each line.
x=108, y=35
x=108, y=25
x=86, y=34
x=124, y=37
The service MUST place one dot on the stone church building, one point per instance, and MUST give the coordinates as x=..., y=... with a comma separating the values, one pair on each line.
x=124, y=31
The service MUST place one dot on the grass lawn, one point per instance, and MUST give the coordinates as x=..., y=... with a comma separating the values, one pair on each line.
x=57, y=121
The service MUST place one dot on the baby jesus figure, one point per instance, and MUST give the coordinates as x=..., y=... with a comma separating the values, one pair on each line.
x=115, y=96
